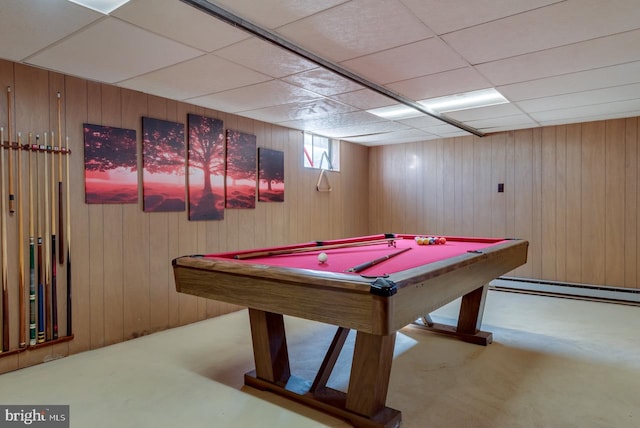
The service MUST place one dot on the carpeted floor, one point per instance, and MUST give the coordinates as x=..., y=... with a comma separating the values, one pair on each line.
x=554, y=363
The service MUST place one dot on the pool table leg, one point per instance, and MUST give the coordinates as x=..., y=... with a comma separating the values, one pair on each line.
x=269, y=346
x=469, y=319
x=363, y=404
x=370, y=371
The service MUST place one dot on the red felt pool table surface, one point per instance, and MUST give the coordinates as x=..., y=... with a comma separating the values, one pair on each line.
x=342, y=259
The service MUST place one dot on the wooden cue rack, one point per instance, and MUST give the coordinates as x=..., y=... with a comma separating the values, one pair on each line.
x=31, y=213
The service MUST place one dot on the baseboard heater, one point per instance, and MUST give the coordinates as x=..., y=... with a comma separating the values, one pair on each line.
x=629, y=296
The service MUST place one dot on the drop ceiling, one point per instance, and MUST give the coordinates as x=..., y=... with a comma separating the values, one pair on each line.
x=557, y=62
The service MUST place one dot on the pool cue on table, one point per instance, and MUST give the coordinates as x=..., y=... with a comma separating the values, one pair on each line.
x=22, y=310
x=366, y=265
x=60, y=212
x=32, y=268
x=69, y=314
x=10, y=139
x=3, y=227
x=268, y=253
x=54, y=261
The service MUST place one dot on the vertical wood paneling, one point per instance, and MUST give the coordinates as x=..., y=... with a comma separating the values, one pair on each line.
x=573, y=230
x=631, y=201
x=448, y=187
x=614, y=202
x=76, y=93
x=593, y=203
x=468, y=186
x=523, y=189
x=498, y=202
x=561, y=204
x=548, y=203
x=483, y=187
x=536, y=246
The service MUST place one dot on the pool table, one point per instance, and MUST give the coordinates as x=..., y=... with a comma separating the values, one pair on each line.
x=372, y=284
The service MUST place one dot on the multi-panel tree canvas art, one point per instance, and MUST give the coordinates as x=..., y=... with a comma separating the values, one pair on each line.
x=163, y=165
x=206, y=163
x=270, y=175
x=241, y=170
x=110, y=165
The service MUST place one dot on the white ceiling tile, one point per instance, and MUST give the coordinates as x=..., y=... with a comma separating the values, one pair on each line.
x=256, y=96
x=362, y=129
x=457, y=14
x=417, y=59
x=322, y=82
x=444, y=129
x=334, y=121
x=28, y=26
x=590, y=118
x=309, y=109
x=364, y=99
x=356, y=28
x=186, y=80
x=446, y=83
x=266, y=58
x=272, y=14
x=112, y=50
x=602, y=52
x=422, y=122
x=488, y=112
x=161, y=16
x=520, y=120
x=599, y=110
x=398, y=137
x=585, y=98
x=510, y=127
x=560, y=24
x=574, y=82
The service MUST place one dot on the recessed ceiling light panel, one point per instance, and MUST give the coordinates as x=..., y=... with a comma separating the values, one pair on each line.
x=467, y=100
x=396, y=112
x=103, y=6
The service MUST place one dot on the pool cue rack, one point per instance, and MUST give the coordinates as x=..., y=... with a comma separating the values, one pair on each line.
x=36, y=164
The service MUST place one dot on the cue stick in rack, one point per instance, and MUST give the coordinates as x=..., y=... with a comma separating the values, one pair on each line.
x=69, y=314
x=3, y=227
x=54, y=280
x=10, y=139
x=41, y=324
x=32, y=272
x=60, y=213
x=268, y=253
x=46, y=242
x=22, y=340
x=367, y=265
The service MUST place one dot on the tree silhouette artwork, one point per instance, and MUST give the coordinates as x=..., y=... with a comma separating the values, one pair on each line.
x=206, y=168
x=110, y=165
x=163, y=165
x=270, y=175
x=241, y=170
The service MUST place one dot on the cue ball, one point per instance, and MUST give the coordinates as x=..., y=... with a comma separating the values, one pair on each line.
x=322, y=257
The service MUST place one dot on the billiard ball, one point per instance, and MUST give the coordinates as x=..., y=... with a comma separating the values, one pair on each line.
x=322, y=257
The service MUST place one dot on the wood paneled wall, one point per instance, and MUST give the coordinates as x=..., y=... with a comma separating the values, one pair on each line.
x=122, y=279
x=571, y=190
